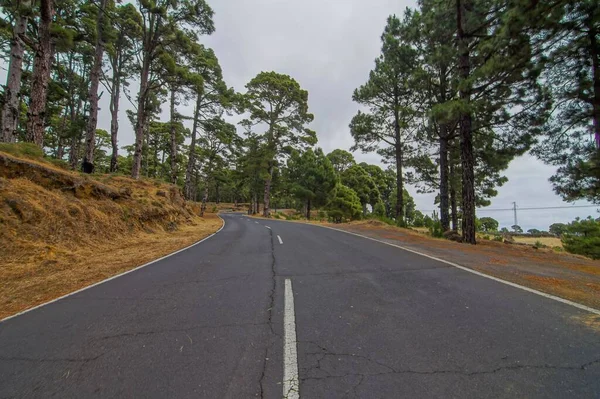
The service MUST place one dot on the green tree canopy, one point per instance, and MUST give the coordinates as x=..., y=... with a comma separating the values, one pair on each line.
x=357, y=178
x=344, y=204
x=278, y=103
x=341, y=160
x=312, y=177
x=583, y=237
x=488, y=224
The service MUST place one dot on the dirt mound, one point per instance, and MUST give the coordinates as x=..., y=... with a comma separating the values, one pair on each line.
x=43, y=208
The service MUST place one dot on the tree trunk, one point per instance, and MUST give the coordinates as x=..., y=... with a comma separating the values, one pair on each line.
x=267, y=196
x=444, y=195
x=115, y=96
x=466, y=132
x=399, y=183
x=189, y=170
x=10, y=109
x=36, y=114
x=90, y=134
x=204, y=197
x=308, y=209
x=60, y=150
x=444, y=136
x=173, y=136
x=74, y=152
x=592, y=32
x=140, y=123
x=453, y=202
x=114, y=120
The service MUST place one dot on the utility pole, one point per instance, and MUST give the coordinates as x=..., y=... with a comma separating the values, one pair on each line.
x=515, y=212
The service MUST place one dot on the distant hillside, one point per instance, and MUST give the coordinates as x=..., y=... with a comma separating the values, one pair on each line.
x=60, y=230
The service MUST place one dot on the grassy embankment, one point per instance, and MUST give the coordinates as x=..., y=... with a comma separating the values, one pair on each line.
x=62, y=230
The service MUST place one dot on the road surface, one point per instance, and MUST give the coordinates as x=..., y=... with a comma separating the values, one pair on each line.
x=339, y=315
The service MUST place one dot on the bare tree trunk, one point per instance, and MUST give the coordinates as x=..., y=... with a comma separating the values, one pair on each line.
x=140, y=123
x=399, y=184
x=466, y=132
x=399, y=180
x=187, y=188
x=444, y=136
x=267, y=196
x=308, y=210
x=10, y=109
x=173, y=138
x=74, y=152
x=204, y=197
x=444, y=195
x=36, y=114
x=114, y=120
x=453, y=202
x=60, y=150
x=90, y=134
x=195, y=184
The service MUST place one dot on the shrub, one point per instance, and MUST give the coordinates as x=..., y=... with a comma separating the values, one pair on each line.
x=277, y=216
x=558, y=249
x=582, y=237
x=344, y=205
x=498, y=238
x=486, y=237
x=379, y=209
x=322, y=215
x=538, y=244
x=436, y=229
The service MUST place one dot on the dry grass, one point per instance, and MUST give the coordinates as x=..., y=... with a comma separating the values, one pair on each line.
x=60, y=231
x=62, y=271
x=548, y=241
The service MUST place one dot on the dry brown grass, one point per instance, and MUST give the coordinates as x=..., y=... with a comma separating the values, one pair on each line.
x=60, y=231
x=548, y=241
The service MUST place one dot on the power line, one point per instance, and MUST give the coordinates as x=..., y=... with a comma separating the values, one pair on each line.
x=528, y=209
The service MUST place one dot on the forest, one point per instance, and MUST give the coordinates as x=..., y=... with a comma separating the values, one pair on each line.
x=460, y=89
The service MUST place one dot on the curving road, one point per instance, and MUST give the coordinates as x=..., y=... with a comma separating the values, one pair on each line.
x=259, y=311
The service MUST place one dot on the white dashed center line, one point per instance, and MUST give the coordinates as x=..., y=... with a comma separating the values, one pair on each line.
x=291, y=388
x=280, y=240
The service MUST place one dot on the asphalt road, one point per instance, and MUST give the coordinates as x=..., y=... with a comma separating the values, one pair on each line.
x=370, y=320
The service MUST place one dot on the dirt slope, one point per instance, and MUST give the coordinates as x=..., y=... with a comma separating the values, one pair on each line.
x=61, y=230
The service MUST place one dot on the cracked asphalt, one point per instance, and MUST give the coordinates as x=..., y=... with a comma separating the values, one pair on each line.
x=372, y=321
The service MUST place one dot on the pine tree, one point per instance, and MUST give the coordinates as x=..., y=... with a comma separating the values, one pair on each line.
x=388, y=127
x=279, y=102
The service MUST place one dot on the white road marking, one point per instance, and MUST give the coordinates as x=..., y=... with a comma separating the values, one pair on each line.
x=114, y=277
x=268, y=227
x=291, y=387
x=256, y=222
x=280, y=240
x=540, y=293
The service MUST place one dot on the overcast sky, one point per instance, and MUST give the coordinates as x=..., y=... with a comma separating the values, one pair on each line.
x=329, y=48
